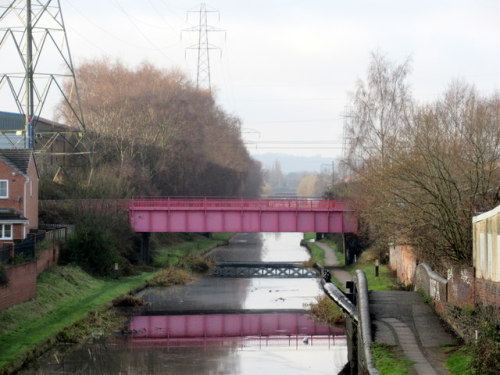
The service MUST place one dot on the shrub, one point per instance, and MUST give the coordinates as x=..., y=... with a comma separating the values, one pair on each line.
x=326, y=311
x=93, y=249
x=196, y=263
x=487, y=350
x=127, y=301
x=171, y=276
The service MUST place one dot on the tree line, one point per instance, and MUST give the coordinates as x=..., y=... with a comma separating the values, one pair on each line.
x=150, y=132
x=418, y=172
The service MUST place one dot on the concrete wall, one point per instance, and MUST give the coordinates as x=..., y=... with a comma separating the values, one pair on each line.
x=432, y=284
x=404, y=261
x=461, y=286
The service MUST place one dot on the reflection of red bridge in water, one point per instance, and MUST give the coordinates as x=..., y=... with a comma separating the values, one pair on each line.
x=227, y=325
x=174, y=214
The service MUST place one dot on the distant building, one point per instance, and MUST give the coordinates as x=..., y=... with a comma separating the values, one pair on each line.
x=18, y=194
x=47, y=136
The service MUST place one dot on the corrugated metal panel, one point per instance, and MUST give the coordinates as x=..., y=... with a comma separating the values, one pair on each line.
x=11, y=121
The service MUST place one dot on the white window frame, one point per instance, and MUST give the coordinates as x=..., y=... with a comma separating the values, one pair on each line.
x=6, y=189
x=2, y=231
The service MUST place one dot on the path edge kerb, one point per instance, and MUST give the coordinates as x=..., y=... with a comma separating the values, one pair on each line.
x=364, y=319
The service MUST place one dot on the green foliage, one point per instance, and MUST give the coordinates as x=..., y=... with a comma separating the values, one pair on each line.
x=317, y=253
x=4, y=280
x=171, y=254
x=386, y=280
x=309, y=236
x=93, y=249
x=460, y=362
x=326, y=311
x=387, y=362
x=487, y=350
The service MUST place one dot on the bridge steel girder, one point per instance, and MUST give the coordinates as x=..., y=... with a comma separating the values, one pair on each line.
x=155, y=220
x=241, y=215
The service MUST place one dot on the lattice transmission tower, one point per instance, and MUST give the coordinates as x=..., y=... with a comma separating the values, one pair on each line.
x=36, y=67
x=203, y=46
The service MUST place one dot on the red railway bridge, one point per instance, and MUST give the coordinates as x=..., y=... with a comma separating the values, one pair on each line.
x=207, y=215
x=174, y=214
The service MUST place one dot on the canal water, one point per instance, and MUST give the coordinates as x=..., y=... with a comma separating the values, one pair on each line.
x=278, y=354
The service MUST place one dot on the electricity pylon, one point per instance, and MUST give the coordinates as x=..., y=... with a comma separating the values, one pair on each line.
x=203, y=46
x=36, y=66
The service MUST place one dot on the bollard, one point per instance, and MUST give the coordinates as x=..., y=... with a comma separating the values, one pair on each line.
x=377, y=264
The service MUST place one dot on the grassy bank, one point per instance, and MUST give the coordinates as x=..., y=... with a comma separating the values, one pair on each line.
x=65, y=295
x=384, y=281
x=316, y=252
x=196, y=244
x=70, y=301
x=460, y=362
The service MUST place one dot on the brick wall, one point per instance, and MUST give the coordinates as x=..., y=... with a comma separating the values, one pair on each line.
x=403, y=261
x=22, y=284
x=22, y=278
x=487, y=292
x=461, y=282
x=48, y=258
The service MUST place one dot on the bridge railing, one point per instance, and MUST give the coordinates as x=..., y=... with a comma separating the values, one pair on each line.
x=243, y=203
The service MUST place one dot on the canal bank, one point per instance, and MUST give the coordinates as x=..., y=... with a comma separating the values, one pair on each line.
x=236, y=355
x=70, y=306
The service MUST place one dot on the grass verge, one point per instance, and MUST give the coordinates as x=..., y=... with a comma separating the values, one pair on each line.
x=171, y=254
x=384, y=281
x=388, y=362
x=317, y=253
x=460, y=362
x=65, y=296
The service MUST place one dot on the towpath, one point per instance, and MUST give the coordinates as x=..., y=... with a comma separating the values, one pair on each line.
x=403, y=319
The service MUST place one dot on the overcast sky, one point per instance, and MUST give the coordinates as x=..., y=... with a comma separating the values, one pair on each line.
x=287, y=67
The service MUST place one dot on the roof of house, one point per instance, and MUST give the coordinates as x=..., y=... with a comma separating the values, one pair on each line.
x=16, y=121
x=11, y=121
x=18, y=159
x=10, y=214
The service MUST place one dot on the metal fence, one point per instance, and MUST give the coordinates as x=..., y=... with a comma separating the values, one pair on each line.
x=26, y=249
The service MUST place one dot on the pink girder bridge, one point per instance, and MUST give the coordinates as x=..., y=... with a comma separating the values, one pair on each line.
x=174, y=214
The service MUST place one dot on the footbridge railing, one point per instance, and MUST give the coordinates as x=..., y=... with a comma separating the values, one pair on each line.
x=273, y=270
x=358, y=323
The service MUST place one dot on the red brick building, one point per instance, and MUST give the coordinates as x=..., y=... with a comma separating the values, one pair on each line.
x=18, y=194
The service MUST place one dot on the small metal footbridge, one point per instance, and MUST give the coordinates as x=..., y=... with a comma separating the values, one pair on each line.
x=272, y=270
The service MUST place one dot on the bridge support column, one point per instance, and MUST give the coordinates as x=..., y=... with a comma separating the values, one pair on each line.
x=145, y=257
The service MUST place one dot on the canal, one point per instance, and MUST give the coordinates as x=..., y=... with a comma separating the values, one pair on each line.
x=264, y=300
